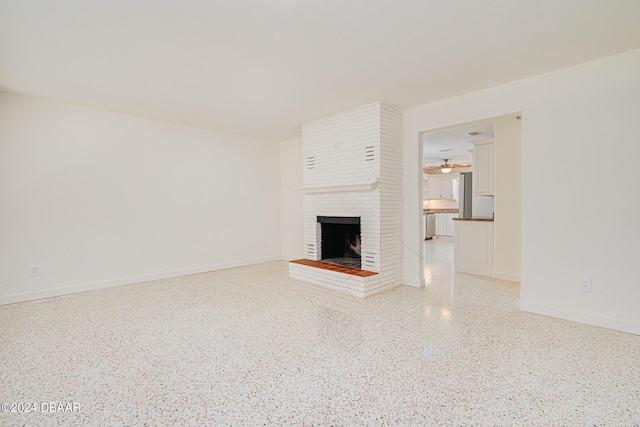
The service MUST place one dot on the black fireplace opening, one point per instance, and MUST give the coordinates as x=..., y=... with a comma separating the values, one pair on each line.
x=341, y=240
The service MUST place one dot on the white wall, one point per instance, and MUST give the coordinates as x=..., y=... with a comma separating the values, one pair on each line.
x=586, y=114
x=291, y=160
x=97, y=199
x=482, y=206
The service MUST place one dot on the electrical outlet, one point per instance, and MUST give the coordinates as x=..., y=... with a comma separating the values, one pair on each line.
x=34, y=271
x=266, y=244
x=585, y=284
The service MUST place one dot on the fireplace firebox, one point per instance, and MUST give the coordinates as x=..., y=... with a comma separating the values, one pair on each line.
x=341, y=240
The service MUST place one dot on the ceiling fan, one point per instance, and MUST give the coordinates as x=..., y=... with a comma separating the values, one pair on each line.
x=446, y=167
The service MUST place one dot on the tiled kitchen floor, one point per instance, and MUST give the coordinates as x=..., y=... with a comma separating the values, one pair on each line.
x=249, y=346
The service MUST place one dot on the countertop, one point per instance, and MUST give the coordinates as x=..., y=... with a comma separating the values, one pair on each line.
x=478, y=218
x=452, y=210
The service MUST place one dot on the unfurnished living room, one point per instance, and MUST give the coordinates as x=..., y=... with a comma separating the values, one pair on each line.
x=250, y=213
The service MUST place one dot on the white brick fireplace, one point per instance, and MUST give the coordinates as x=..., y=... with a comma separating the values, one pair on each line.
x=352, y=168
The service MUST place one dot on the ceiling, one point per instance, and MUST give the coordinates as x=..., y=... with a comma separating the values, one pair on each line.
x=453, y=143
x=262, y=68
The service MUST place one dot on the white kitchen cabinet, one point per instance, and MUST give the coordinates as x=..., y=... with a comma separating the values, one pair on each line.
x=441, y=224
x=440, y=187
x=435, y=187
x=473, y=247
x=483, y=167
x=444, y=224
x=426, y=184
x=451, y=227
x=446, y=190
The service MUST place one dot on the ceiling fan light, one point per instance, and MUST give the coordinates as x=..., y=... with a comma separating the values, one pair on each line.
x=445, y=170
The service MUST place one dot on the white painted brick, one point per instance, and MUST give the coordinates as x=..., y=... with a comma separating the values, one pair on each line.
x=339, y=146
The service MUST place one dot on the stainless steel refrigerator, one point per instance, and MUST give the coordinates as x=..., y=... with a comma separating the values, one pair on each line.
x=466, y=195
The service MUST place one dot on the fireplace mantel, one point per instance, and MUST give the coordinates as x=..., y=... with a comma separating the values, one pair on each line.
x=351, y=188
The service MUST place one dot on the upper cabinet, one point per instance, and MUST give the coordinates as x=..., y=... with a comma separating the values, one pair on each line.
x=426, y=184
x=439, y=186
x=483, y=165
x=435, y=187
x=446, y=190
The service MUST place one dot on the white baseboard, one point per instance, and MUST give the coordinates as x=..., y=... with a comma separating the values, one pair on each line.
x=582, y=317
x=84, y=287
x=506, y=276
x=413, y=283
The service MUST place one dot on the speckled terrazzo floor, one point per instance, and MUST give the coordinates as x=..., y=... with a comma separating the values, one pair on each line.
x=249, y=346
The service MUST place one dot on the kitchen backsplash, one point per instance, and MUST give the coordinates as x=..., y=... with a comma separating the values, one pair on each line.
x=439, y=204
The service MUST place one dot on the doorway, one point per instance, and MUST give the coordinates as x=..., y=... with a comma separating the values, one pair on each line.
x=448, y=152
